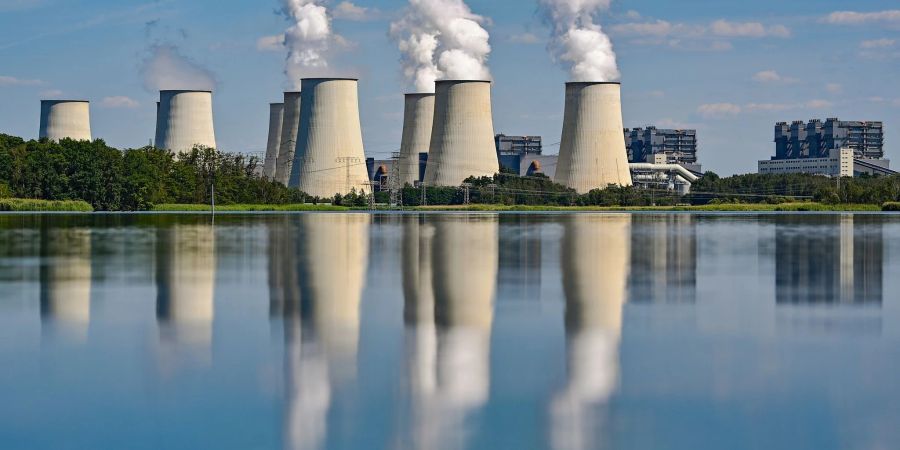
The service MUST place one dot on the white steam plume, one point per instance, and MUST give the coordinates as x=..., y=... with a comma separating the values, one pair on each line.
x=166, y=68
x=578, y=43
x=441, y=39
x=307, y=39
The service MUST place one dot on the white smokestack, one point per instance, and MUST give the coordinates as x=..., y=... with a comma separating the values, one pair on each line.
x=462, y=138
x=61, y=119
x=185, y=120
x=579, y=44
x=289, y=129
x=307, y=39
x=276, y=121
x=330, y=158
x=592, y=152
x=441, y=39
x=418, y=120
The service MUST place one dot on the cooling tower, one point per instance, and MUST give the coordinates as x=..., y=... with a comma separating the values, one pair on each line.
x=330, y=158
x=288, y=145
x=61, y=119
x=592, y=151
x=276, y=121
x=184, y=121
x=418, y=118
x=462, y=138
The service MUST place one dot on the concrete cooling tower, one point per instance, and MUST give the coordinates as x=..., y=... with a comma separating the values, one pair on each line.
x=288, y=145
x=592, y=152
x=276, y=121
x=184, y=121
x=418, y=118
x=330, y=158
x=462, y=138
x=61, y=119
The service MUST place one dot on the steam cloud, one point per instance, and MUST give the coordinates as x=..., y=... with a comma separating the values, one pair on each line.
x=167, y=69
x=441, y=39
x=578, y=43
x=307, y=39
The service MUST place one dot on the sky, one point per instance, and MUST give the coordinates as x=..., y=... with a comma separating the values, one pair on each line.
x=728, y=68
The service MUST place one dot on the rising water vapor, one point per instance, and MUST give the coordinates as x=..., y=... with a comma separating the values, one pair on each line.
x=166, y=68
x=441, y=39
x=307, y=39
x=578, y=43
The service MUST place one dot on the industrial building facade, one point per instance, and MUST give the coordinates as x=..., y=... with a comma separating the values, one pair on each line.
x=679, y=146
x=817, y=139
x=513, y=150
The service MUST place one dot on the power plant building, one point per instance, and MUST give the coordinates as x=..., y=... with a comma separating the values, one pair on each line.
x=651, y=145
x=288, y=146
x=512, y=150
x=276, y=121
x=65, y=119
x=330, y=158
x=462, y=138
x=184, y=121
x=592, y=151
x=418, y=120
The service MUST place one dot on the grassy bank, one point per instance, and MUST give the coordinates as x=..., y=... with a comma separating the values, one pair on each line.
x=248, y=208
x=740, y=207
x=26, y=205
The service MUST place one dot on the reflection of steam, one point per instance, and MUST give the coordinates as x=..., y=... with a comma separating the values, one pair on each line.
x=449, y=314
x=320, y=344
x=595, y=260
x=185, y=277
x=66, y=281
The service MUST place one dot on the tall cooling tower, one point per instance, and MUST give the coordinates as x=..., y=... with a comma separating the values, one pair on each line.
x=276, y=121
x=462, y=138
x=418, y=119
x=289, y=129
x=185, y=120
x=61, y=119
x=592, y=152
x=330, y=158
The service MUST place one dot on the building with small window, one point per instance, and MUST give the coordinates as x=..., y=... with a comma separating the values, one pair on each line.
x=679, y=146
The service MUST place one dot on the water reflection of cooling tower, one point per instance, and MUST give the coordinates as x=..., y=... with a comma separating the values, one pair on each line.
x=592, y=152
x=450, y=272
x=595, y=265
x=273, y=145
x=66, y=281
x=418, y=119
x=185, y=277
x=321, y=344
x=290, y=126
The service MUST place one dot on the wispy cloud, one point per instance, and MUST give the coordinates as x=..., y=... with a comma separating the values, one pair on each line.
x=877, y=43
x=725, y=110
x=346, y=10
x=14, y=81
x=270, y=43
x=834, y=88
x=888, y=17
x=118, y=102
x=525, y=38
x=713, y=36
x=718, y=110
x=772, y=77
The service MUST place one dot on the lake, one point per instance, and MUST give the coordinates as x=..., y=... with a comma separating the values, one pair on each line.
x=482, y=331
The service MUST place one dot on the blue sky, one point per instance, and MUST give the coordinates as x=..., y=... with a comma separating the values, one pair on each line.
x=729, y=68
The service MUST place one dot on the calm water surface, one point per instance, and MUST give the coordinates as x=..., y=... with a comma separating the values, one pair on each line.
x=450, y=331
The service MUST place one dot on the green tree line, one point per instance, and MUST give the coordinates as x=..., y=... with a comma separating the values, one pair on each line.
x=130, y=180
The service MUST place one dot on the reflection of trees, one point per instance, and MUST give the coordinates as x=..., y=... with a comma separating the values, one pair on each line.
x=450, y=273
x=595, y=266
x=66, y=280
x=317, y=273
x=185, y=282
x=664, y=258
x=841, y=262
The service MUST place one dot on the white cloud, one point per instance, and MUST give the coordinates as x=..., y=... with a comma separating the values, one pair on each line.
x=718, y=110
x=119, y=101
x=657, y=28
x=712, y=37
x=818, y=104
x=525, y=38
x=889, y=17
x=834, y=88
x=270, y=43
x=51, y=93
x=348, y=11
x=877, y=43
x=725, y=28
x=13, y=81
x=772, y=76
x=633, y=15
